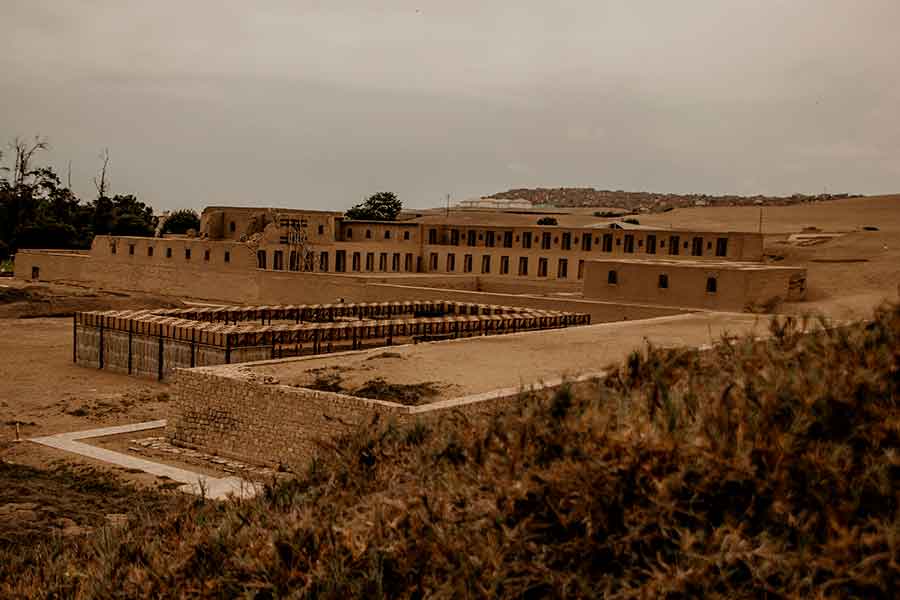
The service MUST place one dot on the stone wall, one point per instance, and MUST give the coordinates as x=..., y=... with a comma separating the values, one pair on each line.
x=276, y=424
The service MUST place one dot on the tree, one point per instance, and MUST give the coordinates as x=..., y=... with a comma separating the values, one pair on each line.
x=100, y=181
x=383, y=206
x=123, y=214
x=46, y=234
x=20, y=196
x=547, y=221
x=37, y=211
x=181, y=220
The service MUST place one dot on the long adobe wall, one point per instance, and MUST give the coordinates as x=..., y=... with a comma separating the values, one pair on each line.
x=237, y=281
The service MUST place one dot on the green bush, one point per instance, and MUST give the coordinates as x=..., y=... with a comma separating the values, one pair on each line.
x=382, y=206
x=180, y=221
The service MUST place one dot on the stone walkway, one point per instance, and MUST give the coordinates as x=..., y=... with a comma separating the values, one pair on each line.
x=194, y=483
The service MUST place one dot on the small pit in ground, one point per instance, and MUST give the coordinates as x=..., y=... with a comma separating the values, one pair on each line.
x=409, y=394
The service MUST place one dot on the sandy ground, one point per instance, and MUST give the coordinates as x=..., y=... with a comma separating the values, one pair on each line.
x=41, y=388
x=26, y=299
x=474, y=365
x=836, y=215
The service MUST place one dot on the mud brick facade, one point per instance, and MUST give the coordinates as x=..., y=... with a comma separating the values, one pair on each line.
x=727, y=286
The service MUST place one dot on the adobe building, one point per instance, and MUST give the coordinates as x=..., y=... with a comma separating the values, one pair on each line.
x=286, y=256
x=713, y=285
x=316, y=241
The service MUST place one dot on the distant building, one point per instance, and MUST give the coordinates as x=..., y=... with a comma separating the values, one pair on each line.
x=495, y=203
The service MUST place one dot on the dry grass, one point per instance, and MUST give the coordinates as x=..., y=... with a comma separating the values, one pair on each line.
x=759, y=469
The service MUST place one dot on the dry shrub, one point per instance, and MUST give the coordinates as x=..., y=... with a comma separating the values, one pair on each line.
x=758, y=469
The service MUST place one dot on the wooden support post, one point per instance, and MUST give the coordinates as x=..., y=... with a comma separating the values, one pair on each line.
x=193, y=348
x=159, y=358
x=130, y=337
x=101, y=344
x=227, y=348
x=74, y=338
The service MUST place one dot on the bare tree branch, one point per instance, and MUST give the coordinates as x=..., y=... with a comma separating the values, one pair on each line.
x=24, y=153
x=102, y=184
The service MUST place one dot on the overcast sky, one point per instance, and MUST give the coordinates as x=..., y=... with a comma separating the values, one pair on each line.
x=310, y=104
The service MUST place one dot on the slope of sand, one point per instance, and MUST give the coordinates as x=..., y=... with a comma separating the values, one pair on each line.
x=835, y=215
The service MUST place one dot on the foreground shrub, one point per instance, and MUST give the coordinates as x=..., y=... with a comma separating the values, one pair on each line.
x=758, y=469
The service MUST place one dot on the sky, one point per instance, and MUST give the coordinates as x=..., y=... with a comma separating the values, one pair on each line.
x=318, y=104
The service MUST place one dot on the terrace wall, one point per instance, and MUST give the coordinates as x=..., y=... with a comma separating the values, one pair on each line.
x=276, y=424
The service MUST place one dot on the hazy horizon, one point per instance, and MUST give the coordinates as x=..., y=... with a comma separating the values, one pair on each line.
x=309, y=105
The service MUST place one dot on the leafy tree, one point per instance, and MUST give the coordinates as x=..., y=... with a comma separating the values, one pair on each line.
x=37, y=211
x=181, y=220
x=129, y=224
x=46, y=234
x=383, y=206
x=122, y=215
x=547, y=221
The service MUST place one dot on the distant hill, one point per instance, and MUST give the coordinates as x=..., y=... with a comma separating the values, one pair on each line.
x=564, y=197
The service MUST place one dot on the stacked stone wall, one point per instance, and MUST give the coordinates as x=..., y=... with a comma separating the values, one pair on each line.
x=276, y=424
x=260, y=423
